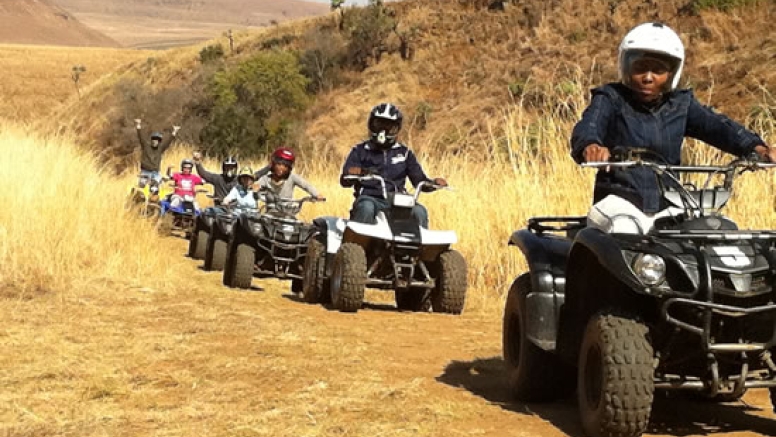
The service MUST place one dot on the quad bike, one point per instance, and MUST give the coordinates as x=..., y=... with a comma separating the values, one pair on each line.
x=679, y=300
x=220, y=234
x=203, y=227
x=145, y=197
x=270, y=243
x=180, y=219
x=395, y=254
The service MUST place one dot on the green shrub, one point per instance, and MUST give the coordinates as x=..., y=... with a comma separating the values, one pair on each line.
x=369, y=29
x=255, y=104
x=211, y=53
x=323, y=59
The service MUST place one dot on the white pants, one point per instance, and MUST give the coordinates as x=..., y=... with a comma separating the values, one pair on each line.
x=176, y=200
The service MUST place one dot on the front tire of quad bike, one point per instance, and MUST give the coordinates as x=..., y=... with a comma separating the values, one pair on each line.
x=414, y=299
x=198, y=244
x=315, y=286
x=615, y=386
x=533, y=374
x=241, y=271
x=218, y=255
x=449, y=296
x=348, y=278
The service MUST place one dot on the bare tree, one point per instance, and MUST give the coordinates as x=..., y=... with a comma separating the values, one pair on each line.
x=76, y=76
x=230, y=36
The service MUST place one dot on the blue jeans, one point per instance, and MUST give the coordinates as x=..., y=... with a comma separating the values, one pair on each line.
x=148, y=174
x=365, y=210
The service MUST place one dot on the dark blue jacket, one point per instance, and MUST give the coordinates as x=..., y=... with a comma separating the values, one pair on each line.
x=395, y=165
x=616, y=119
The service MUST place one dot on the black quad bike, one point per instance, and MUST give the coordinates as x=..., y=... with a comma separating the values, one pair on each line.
x=687, y=303
x=202, y=229
x=270, y=243
x=394, y=254
x=221, y=232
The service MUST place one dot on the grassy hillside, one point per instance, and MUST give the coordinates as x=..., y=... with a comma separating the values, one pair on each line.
x=41, y=22
x=38, y=79
x=466, y=66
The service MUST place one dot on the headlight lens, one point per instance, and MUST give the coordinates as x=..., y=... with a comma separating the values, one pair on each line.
x=650, y=269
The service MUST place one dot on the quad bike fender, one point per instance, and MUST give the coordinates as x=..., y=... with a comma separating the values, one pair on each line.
x=330, y=230
x=595, y=250
x=546, y=258
x=437, y=238
x=362, y=232
x=598, y=276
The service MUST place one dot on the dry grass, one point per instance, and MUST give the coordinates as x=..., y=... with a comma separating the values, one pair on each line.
x=62, y=228
x=36, y=79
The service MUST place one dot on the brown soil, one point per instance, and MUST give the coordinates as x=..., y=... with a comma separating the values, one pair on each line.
x=214, y=361
x=40, y=22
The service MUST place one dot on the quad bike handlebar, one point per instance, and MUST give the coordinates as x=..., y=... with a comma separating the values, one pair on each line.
x=383, y=185
x=635, y=158
x=285, y=206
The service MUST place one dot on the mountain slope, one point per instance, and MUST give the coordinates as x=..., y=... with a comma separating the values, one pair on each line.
x=146, y=23
x=473, y=65
x=40, y=22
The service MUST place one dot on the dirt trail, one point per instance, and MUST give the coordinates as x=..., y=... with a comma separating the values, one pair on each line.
x=213, y=361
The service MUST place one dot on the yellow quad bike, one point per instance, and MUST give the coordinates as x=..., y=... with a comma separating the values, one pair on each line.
x=145, y=197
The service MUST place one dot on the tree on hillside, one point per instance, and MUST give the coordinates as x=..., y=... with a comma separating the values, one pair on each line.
x=369, y=33
x=76, y=76
x=339, y=5
x=255, y=105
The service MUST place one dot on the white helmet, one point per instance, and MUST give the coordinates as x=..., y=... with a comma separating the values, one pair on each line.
x=653, y=38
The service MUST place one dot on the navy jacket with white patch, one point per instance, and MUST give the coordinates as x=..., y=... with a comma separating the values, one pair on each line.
x=395, y=165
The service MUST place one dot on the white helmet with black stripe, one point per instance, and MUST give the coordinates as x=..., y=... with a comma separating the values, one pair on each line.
x=655, y=40
x=385, y=121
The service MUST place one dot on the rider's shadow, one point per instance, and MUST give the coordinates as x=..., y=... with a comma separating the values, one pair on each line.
x=672, y=414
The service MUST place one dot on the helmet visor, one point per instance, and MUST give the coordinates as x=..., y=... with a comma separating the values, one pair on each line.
x=639, y=62
x=279, y=160
x=390, y=127
x=229, y=169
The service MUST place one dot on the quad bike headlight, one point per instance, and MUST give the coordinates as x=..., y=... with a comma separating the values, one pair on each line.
x=650, y=269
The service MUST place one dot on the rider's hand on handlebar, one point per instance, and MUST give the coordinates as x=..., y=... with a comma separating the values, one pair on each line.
x=442, y=182
x=320, y=198
x=596, y=153
x=767, y=153
x=354, y=171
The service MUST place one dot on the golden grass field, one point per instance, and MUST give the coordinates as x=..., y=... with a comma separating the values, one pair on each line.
x=37, y=79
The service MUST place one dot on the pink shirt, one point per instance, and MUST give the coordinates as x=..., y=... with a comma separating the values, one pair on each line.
x=185, y=184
